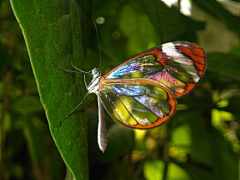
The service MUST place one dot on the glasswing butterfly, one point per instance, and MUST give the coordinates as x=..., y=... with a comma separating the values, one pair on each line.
x=141, y=92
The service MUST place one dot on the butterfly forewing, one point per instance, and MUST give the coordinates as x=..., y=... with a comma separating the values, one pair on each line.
x=178, y=65
x=185, y=62
x=138, y=67
x=138, y=105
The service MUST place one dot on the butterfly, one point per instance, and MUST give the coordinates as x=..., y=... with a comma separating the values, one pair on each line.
x=141, y=92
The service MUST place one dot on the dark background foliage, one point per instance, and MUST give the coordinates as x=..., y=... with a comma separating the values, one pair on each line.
x=201, y=141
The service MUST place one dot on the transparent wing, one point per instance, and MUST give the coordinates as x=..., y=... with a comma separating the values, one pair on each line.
x=138, y=105
x=178, y=65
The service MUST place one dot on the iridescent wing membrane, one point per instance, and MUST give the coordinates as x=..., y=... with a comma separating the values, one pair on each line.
x=140, y=93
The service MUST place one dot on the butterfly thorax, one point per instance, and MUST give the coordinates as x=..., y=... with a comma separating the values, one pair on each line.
x=93, y=86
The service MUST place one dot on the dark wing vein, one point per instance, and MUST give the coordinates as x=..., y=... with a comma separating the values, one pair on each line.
x=123, y=105
x=148, y=107
x=110, y=107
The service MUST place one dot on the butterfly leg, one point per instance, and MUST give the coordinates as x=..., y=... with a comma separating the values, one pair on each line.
x=74, y=109
x=65, y=70
x=84, y=77
x=71, y=71
x=79, y=70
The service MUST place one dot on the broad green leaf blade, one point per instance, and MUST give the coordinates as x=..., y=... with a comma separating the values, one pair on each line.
x=53, y=32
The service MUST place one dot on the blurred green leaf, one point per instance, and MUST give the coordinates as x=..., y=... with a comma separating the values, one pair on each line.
x=234, y=106
x=27, y=105
x=36, y=145
x=121, y=141
x=223, y=62
x=117, y=136
x=104, y=8
x=132, y=24
x=167, y=21
x=181, y=137
x=206, y=147
x=154, y=170
x=133, y=28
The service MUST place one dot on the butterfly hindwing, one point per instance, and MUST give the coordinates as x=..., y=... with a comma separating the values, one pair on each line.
x=138, y=105
x=140, y=93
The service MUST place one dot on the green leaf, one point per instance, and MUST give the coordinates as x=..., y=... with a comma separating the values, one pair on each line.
x=223, y=62
x=36, y=145
x=54, y=32
x=209, y=155
x=154, y=170
x=121, y=141
x=135, y=27
x=167, y=21
x=27, y=105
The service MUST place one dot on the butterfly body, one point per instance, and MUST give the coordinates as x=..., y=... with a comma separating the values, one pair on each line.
x=93, y=86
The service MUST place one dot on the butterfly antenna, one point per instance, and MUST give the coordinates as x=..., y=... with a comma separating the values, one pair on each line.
x=74, y=109
x=71, y=71
x=94, y=26
x=99, y=46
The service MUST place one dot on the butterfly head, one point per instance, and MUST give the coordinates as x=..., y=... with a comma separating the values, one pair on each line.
x=95, y=72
